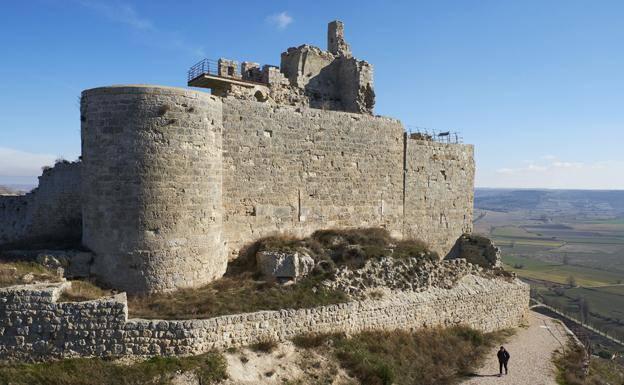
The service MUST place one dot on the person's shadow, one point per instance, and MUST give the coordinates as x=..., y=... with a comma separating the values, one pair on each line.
x=481, y=375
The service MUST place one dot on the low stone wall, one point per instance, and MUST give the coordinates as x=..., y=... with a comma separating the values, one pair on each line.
x=35, y=326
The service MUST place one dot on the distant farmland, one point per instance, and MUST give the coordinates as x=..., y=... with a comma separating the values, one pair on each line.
x=568, y=244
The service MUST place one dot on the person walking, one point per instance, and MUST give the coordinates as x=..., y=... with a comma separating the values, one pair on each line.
x=503, y=358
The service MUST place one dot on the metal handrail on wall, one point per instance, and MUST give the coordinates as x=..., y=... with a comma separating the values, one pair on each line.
x=204, y=67
x=423, y=133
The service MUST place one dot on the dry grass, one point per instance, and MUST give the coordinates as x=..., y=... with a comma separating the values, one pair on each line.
x=572, y=363
x=232, y=295
x=335, y=247
x=242, y=290
x=425, y=357
x=266, y=345
x=83, y=291
x=16, y=273
x=210, y=368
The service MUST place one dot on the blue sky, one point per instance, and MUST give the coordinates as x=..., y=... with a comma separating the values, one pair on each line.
x=537, y=86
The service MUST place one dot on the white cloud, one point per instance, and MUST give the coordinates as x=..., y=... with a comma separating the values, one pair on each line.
x=280, y=20
x=21, y=163
x=551, y=172
x=121, y=12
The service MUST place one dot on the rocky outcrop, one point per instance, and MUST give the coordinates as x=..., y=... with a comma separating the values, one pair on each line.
x=477, y=250
x=406, y=274
x=284, y=265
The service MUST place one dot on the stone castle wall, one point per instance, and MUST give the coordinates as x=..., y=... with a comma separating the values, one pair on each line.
x=296, y=170
x=174, y=181
x=50, y=212
x=439, y=194
x=151, y=186
x=36, y=326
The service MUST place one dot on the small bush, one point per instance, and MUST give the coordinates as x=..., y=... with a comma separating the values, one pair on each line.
x=373, y=236
x=314, y=340
x=266, y=345
x=163, y=109
x=571, y=365
x=412, y=248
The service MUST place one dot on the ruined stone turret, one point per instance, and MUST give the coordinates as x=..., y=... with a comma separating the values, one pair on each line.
x=307, y=76
x=336, y=43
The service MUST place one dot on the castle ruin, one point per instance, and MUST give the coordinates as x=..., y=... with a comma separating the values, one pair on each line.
x=173, y=182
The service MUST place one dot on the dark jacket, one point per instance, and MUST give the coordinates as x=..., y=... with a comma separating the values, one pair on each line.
x=503, y=355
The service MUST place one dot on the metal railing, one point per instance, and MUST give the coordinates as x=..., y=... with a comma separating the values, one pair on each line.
x=204, y=67
x=422, y=133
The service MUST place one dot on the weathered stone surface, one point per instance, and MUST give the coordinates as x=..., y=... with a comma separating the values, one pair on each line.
x=406, y=274
x=50, y=212
x=308, y=76
x=477, y=250
x=75, y=264
x=439, y=192
x=151, y=186
x=284, y=264
x=37, y=327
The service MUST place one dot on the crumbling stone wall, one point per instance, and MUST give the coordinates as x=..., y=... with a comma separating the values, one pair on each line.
x=307, y=76
x=52, y=211
x=152, y=186
x=36, y=326
x=297, y=170
x=439, y=192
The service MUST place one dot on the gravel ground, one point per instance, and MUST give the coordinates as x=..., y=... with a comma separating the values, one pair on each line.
x=531, y=351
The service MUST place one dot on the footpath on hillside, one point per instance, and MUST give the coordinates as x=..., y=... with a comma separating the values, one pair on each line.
x=531, y=350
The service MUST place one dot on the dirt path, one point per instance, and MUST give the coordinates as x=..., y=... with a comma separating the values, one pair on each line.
x=531, y=352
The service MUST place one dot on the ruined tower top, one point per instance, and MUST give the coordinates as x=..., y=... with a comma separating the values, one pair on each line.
x=336, y=43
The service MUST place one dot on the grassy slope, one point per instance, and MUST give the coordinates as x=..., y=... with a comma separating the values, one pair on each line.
x=428, y=356
x=210, y=368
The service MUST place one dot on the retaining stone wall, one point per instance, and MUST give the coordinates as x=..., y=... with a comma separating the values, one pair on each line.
x=35, y=326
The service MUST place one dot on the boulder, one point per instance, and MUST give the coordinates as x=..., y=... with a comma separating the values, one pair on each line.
x=290, y=265
x=477, y=250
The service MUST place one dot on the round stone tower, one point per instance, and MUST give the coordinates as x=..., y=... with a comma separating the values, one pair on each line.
x=151, y=184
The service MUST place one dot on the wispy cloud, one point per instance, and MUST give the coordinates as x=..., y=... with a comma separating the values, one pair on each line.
x=121, y=12
x=21, y=163
x=280, y=20
x=551, y=172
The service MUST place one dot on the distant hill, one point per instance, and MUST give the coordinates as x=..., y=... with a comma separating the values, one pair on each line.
x=582, y=203
x=6, y=190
